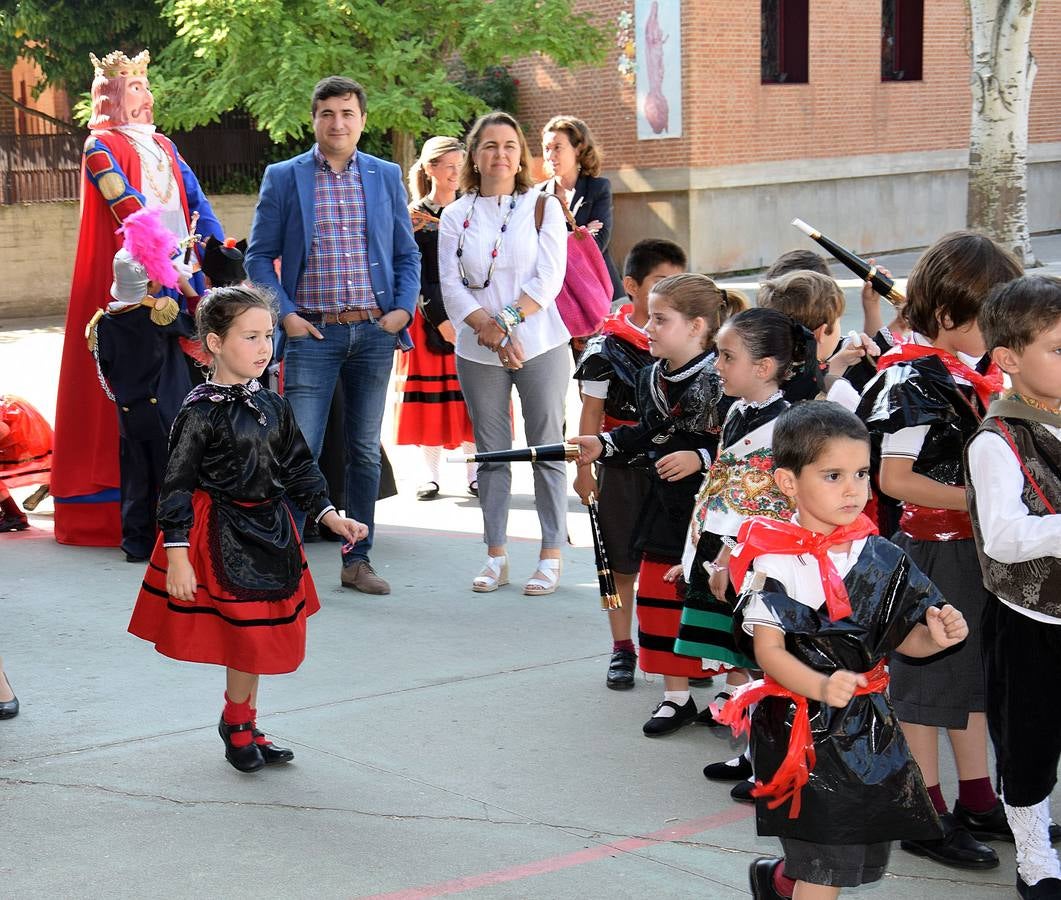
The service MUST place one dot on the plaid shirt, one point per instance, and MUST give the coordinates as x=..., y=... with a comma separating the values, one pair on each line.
x=336, y=275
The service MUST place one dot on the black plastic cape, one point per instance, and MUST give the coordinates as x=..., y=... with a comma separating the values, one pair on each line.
x=673, y=415
x=609, y=358
x=922, y=392
x=244, y=449
x=864, y=787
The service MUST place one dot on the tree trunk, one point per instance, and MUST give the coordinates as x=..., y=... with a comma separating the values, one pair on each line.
x=1003, y=70
x=403, y=150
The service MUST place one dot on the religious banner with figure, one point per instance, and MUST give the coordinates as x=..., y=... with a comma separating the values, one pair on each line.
x=658, y=30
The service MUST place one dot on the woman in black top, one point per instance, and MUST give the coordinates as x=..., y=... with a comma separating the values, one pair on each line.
x=574, y=164
x=431, y=410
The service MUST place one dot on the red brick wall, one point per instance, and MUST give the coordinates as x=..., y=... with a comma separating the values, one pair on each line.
x=845, y=109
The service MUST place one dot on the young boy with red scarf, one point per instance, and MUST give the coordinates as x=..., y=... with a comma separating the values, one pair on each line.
x=825, y=600
x=608, y=371
x=925, y=404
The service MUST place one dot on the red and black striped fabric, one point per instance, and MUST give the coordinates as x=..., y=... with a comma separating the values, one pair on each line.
x=659, y=614
x=430, y=406
x=262, y=637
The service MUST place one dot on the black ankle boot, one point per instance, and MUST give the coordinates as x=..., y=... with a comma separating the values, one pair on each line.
x=246, y=759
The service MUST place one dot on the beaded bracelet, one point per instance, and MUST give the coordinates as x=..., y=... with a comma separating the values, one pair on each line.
x=516, y=313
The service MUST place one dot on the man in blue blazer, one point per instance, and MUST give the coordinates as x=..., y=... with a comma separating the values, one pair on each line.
x=337, y=221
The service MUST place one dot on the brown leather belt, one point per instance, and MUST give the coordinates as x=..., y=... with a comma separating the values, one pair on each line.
x=343, y=318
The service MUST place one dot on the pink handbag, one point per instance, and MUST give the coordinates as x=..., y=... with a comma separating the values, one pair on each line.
x=586, y=297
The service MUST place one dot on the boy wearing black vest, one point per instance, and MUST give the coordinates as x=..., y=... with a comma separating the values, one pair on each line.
x=1014, y=490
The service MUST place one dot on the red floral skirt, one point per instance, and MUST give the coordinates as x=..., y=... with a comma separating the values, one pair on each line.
x=430, y=406
x=261, y=637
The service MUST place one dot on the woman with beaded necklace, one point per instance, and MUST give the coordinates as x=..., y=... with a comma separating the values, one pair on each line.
x=500, y=276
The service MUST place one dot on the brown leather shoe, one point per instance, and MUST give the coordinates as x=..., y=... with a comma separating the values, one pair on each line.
x=360, y=576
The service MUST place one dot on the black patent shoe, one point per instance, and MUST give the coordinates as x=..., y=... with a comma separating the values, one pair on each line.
x=1046, y=889
x=724, y=771
x=742, y=792
x=246, y=759
x=957, y=847
x=658, y=726
x=761, y=878
x=270, y=752
x=9, y=708
x=993, y=825
x=621, y=670
x=427, y=491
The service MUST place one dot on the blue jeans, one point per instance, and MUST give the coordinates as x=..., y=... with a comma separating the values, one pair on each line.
x=361, y=354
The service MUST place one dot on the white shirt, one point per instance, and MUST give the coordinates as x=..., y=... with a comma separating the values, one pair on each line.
x=799, y=575
x=528, y=263
x=1011, y=533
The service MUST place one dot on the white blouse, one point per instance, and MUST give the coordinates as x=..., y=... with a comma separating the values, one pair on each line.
x=528, y=262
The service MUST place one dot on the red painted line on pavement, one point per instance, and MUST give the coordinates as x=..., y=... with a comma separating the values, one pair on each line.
x=568, y=860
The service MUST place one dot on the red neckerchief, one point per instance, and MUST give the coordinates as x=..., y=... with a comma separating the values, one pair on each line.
x=760, y=535
x=984, y=385
x=617, y=325
x=794, y=771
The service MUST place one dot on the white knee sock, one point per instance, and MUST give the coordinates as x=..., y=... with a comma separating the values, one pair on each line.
x=432, y=456
x=1036, y=858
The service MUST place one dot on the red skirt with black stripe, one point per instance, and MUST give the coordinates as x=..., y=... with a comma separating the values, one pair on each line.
x=430, y=406
x=261, y=637
x=659, y=615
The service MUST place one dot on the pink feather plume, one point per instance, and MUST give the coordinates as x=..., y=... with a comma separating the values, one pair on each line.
x=151, y=244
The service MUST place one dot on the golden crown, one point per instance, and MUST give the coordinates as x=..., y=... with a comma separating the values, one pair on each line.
x=117, y=65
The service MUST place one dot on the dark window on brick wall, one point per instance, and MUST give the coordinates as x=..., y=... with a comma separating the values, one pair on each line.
x=784, y=41
x=901, y=39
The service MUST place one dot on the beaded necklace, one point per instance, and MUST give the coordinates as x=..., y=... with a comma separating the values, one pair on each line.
x=493, y=253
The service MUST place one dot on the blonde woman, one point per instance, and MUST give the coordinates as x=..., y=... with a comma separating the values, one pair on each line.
x=431, y=411
x=500, y=277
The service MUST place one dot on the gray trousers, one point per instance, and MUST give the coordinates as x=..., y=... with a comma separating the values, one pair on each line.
x=542, y=385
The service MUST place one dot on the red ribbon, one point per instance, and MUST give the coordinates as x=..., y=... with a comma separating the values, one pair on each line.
x=617, y=325
x=760, y=535
x=984, y=385
x=794, y=771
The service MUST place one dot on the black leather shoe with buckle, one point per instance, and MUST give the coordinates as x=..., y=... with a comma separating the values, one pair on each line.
x=957, y=847
x=621, y=670
x=246, y=759
x=270, y=752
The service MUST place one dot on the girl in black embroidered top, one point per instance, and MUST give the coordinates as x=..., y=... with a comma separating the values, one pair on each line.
x=677, y=400
x=925, y=404
x=228, y=583
x=758, y=350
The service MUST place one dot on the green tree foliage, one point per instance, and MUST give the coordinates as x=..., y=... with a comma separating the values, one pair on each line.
x=266, y=55
x=59, y=34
